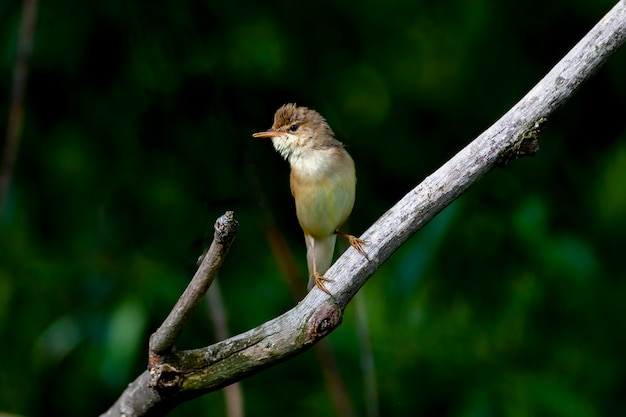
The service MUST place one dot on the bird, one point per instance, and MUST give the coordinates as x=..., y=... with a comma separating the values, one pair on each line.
x=322, y=180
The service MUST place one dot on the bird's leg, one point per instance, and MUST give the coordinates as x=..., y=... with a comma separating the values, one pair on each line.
x=355, y=242
x=319, y=282
x=317, y=277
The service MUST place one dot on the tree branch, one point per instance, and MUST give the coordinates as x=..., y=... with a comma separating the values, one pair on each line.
x=188, y=374
x=162, y=341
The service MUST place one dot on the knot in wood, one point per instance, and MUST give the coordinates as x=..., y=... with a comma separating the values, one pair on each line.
x=323, y=321
x=323, y=326
x=527, y=143
x=165, y=378
x=226, y=227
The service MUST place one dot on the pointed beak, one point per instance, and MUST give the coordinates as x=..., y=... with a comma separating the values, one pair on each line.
x=267, y=134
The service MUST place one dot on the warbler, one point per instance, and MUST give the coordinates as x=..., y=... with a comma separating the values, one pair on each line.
x=323, y=183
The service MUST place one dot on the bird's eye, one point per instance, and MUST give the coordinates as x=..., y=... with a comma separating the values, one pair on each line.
x=293, y=127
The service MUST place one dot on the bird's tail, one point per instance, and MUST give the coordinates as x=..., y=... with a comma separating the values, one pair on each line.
x=323, y=250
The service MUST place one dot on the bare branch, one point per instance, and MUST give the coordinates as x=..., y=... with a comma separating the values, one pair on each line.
x=191, y=373
x=162, y=341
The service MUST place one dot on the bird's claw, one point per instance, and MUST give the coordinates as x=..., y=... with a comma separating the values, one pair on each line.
x=355, y=242
x=319, y=282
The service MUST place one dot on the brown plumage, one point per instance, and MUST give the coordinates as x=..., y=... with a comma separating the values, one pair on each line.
x=322, y=182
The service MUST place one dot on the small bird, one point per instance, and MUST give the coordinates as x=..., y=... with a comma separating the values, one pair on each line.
x=323, y=183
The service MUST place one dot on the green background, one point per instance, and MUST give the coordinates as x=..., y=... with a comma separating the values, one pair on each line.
x=137, y=136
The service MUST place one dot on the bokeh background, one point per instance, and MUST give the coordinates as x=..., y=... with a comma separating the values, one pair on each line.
x=137, y=136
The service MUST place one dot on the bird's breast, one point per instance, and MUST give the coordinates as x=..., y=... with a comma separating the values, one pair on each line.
x=323, y=185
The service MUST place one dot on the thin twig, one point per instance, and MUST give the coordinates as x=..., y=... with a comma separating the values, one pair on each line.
x=162, y=341
x=16, y=111
x=370, y=387
x=233, y=394
x=334, y=380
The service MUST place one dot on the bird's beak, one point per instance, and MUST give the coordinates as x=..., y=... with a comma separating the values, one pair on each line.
x=267, y=134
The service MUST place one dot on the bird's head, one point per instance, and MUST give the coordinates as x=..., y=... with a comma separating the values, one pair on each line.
x=297, y=130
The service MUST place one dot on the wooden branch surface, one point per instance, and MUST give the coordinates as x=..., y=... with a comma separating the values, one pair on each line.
x=195, y=372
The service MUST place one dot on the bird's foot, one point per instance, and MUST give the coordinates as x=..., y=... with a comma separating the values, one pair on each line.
x=355, y=242
x=319, y=282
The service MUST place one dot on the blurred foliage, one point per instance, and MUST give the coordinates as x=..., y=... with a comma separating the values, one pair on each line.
x=137, y=137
